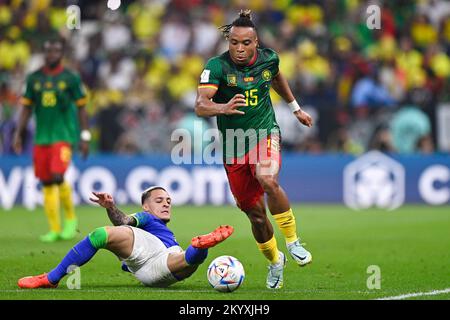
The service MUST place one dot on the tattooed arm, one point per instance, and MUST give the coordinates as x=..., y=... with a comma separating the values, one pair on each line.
x=117, y=217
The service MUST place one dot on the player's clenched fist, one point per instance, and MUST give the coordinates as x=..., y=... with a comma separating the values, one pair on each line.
x=237, y=101
x=103, y=199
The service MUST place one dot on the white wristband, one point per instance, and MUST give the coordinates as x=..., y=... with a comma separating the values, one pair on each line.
x=294, y=106
x=85, y=135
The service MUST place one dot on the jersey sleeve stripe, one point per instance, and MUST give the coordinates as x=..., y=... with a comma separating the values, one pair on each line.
x=135, y=218
x=214, y=86
x=81, y=102
x=26, y=102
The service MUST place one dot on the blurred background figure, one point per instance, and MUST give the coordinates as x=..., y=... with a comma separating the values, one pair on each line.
x=56, y=97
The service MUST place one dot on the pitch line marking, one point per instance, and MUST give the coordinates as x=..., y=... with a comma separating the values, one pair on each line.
x=417, y=294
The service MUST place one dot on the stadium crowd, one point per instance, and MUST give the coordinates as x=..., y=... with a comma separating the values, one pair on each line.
x=366, y=89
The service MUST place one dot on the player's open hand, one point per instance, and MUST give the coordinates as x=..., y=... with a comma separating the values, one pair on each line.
x=304, y=118
x=231, y=107
x=103, y=199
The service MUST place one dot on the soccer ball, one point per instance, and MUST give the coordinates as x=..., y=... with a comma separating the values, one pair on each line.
x=225, y=273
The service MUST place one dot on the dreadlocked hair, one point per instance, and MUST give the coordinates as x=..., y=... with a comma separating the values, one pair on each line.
x=244, y=20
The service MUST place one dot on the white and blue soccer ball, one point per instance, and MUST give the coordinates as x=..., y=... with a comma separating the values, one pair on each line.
x=225, y=273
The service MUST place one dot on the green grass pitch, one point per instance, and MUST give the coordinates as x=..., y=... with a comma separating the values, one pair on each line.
x=411, y=246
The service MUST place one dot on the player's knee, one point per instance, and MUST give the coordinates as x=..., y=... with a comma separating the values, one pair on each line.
x=47, y=183
x=99, y=238
x=257, y=220
x=269, y=184
x=58, y=179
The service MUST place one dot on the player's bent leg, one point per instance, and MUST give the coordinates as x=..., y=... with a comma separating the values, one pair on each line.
x=180, y=268
x=267, y=245
x=120, y=241
x=277, y=201
x=183, y=265
x=287, y=225
x=256, y=212
x=80, y=254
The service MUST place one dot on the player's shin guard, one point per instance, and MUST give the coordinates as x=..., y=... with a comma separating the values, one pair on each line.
x=51, y=206
x=65, y=194
x=286, y=224
x=269, y=250
x=81, y=253
x=195, y=255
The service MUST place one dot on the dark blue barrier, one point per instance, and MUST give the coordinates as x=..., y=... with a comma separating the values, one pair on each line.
x=374, y=179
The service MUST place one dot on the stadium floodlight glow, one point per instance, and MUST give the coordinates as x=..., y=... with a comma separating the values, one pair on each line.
x=113, y=4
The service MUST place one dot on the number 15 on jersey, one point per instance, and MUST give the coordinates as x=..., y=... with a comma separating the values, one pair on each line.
x=251, y=97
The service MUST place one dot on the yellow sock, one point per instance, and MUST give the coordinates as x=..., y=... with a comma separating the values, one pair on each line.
x=65, y=194
x=51, y=206
x=286, y=224
x=269, y=250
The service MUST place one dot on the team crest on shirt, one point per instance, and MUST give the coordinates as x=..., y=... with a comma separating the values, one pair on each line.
x=266, y=75
x=62, y=85
x=231, y=80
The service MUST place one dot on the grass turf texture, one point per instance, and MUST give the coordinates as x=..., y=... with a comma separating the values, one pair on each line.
x=410, y=245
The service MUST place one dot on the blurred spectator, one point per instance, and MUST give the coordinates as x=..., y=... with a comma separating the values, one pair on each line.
x=369, y=92
x=382, y=140
x=109, y=127
x=175, y=36
x=341, y=142
x=408, y=125
x=205, y=35
x=425, y=144
x=293, y=132
x=117, y=72
x=196, y=127
x=435, y=10
x=115, y=34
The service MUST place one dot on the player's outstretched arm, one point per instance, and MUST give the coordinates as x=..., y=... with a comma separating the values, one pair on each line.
x=117, y=217
x=281, y=86
x=204, y=107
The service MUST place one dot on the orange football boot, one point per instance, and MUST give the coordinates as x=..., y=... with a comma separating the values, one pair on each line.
x=213, y=238
x=33, y=282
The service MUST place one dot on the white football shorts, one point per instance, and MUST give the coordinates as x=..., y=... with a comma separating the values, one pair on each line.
x=148, y=260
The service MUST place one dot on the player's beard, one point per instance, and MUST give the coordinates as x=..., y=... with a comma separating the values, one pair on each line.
x=53, y=64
